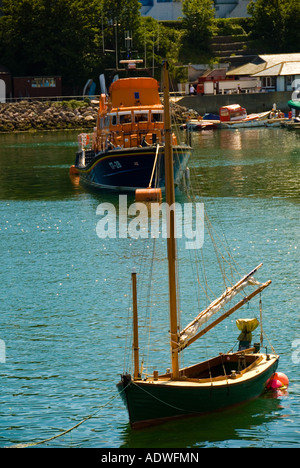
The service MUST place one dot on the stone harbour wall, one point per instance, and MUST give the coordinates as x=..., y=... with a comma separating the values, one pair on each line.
x=60, y=115
x=36, y=115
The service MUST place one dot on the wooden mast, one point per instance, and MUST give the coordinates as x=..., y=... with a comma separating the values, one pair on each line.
x=135, y=344
x=171, y=240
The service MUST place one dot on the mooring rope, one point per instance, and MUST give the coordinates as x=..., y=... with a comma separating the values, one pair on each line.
x=32, y=444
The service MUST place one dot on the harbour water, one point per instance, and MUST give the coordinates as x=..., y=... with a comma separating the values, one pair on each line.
x=65, y=293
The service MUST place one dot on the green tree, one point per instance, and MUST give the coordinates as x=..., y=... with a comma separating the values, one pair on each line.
x=63, y=37
x=49, y=37
x=77, y=39
x=157, y=42
x=276, y=24
x=198, y=22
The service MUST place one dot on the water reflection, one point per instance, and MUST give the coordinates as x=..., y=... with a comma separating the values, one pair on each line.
x=244, y=163
x=222, y=429
x=262, y=163
x=36, y=165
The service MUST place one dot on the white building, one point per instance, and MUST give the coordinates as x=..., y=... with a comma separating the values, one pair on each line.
x=231, y=8
x=277, y=72
x=163, y=10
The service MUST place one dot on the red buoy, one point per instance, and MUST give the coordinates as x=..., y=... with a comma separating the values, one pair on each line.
x=278, y=380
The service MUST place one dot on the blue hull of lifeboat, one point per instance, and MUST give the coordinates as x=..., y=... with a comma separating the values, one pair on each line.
x=129, y=169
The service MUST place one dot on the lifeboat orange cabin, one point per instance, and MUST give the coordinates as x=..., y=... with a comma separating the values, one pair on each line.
x=133, y=117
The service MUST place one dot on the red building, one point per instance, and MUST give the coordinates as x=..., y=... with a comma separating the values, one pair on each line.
x=212, y=76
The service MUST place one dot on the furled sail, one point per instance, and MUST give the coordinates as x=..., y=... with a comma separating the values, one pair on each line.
x=191, y=330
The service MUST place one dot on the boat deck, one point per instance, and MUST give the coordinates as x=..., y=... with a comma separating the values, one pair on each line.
x=224, y=369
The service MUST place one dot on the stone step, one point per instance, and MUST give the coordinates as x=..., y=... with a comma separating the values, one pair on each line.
x=229, y=46
x=228, y=39
x=233, y=53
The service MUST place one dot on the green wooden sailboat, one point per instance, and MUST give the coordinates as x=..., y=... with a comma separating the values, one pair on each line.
x=208, y=386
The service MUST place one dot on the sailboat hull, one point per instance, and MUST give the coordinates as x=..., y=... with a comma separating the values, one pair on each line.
x=153, y=402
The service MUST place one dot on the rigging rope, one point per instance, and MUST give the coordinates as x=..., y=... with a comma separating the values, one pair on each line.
x=154, y=165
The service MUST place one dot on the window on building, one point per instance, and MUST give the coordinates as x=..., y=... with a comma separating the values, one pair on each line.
x=43, y=83
x=269, y=82
x=289, y=82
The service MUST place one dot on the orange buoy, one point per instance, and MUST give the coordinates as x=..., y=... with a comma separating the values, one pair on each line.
x=73, y=170
x=282, y=378
x=278, y=380
x=148, y=194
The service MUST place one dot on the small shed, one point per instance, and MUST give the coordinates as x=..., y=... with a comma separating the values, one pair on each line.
x=38, y=86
